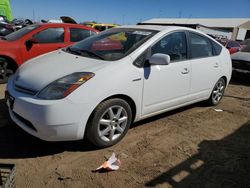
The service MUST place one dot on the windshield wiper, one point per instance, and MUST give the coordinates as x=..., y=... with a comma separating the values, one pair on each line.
x=92, y=54
x=81, y=52
x=73, y=51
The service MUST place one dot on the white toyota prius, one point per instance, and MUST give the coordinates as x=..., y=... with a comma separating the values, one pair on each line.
x=99, y=86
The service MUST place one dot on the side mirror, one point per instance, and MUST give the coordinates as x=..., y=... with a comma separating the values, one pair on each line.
x=159, y=59
x=32, y=41
x=29, y=43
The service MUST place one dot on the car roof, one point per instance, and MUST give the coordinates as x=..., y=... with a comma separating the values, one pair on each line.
x=104, y=24
x=61, y=24
x=68, y=25
x=156, y=27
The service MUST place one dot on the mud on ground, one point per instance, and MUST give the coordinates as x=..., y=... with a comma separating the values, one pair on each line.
x=194, y=146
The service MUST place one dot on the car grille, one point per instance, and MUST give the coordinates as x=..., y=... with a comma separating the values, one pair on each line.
x=25, y=90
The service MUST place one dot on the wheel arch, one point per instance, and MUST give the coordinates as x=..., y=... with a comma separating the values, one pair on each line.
x=126, y=98
x=11, y=62
x=225, y=79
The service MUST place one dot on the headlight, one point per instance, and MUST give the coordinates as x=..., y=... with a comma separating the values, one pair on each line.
x=64, y=86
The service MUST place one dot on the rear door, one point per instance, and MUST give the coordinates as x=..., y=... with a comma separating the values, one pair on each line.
x=48, y=39
x=205, y=66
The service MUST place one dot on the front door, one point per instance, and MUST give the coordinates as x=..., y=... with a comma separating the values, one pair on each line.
x=166, y=86
x=47, y=40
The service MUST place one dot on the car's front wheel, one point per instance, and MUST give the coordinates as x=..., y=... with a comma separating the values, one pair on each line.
x=218, y=92
x=109, y=123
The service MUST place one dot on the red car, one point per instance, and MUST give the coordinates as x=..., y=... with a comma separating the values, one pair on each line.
x=37, y=39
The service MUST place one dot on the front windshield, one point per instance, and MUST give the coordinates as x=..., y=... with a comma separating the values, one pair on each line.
x=20, y=33
x=111, y=45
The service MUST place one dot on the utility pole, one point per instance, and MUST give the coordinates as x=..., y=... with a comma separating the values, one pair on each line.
x=34, y=16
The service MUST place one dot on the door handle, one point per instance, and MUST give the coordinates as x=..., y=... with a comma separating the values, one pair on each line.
x=186, y=71
x=216, y=65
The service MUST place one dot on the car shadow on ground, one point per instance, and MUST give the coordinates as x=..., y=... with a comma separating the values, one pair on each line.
x=202, y=104
x=16, y=143
x=220, y=163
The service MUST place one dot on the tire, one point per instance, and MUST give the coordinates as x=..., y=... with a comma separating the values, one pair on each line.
x=217, y=93
x=109, y=123
x=5, y=71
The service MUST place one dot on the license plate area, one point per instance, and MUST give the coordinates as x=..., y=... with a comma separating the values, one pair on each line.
x=10, y=100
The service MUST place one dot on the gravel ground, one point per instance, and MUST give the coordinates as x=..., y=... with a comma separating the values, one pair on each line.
x=194, y=146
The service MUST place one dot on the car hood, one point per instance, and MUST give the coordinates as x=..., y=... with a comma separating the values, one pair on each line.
x=243, y=56
x=41, y=71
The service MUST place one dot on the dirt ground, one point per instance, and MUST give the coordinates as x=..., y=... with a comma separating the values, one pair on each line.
x=194, y=146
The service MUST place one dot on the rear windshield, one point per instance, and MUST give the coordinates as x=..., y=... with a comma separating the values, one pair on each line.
x=20, y=33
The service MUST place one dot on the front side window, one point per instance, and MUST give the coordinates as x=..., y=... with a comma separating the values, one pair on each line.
x=77, y=34
x=50, y=35
x=112, y=44
x=200, y=46
x=174, y=45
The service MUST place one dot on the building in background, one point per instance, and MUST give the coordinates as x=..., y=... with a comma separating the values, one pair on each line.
x=5, y=9
x=230, y=28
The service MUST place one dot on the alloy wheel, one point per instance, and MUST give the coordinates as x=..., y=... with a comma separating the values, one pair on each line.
x=112, y=123
x=218, y=91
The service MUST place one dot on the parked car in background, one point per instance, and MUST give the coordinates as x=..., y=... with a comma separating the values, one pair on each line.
x=245, y=43
x=5, y=26
x=87, y=23
x=232, y=46
x=102, y=26
x=241, y=60
x=20, y=23
x=99, y=86
x=37, y=39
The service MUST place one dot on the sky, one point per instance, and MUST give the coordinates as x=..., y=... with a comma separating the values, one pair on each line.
x=129, y=11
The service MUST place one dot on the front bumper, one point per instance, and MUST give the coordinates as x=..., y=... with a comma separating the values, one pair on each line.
x=50, y=120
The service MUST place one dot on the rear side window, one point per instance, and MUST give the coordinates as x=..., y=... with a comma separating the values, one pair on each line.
x=200, y=46
x=217, y=48
x=50, y=35
x=77, y=34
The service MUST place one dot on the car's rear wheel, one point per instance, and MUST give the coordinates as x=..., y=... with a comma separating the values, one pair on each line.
x=5, y=71
x=109, y=123
x=218, y=92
